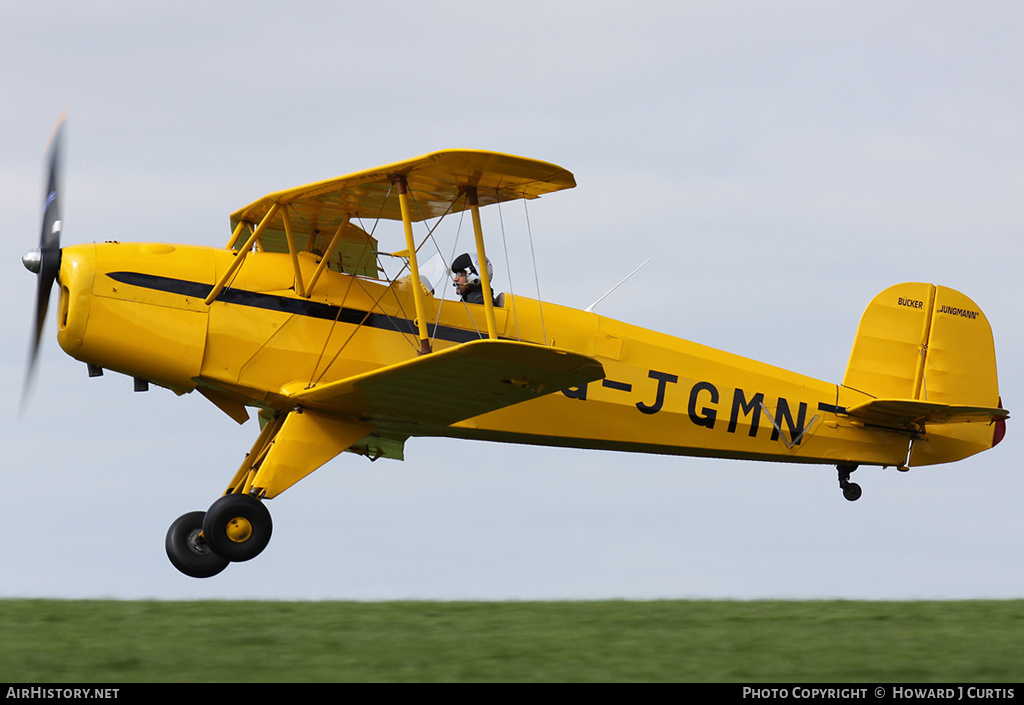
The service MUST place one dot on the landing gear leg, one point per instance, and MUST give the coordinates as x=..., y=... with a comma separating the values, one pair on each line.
x=851, y=490
x=237, y=527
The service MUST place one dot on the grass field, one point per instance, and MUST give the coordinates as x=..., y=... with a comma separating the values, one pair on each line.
x=761, y=641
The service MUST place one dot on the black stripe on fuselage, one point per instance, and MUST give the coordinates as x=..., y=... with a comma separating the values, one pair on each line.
x=284, y=304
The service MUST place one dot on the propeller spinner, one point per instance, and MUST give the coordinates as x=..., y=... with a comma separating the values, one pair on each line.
x=45, y=260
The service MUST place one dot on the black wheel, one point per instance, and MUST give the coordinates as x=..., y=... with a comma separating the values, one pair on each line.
x=852, y=491
x=237, y=527
x=188, y=550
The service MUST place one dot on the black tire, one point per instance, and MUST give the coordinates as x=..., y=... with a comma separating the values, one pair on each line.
x=237, y=527
x=852, y=491
x=187, y=549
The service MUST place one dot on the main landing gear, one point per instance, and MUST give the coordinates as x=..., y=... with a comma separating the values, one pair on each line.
x=851, y=490
x=236, y=528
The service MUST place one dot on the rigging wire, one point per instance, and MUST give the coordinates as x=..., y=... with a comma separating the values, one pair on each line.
x=314, y=378
x=410, y=337
x=359, y=326
x=536, y=276
x=508, y=270
x=451, y=257
x=440, y=307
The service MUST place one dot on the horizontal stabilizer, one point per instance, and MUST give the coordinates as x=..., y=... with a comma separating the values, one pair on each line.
x=910, y=413
x=445, y=387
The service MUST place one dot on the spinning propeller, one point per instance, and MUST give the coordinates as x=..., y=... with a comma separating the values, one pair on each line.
x=45, y=260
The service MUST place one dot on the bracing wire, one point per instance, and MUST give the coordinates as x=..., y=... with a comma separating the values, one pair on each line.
x=508, y=269
x=314, y=377
x=451, y=257
x=536, y=275
x=430, y=236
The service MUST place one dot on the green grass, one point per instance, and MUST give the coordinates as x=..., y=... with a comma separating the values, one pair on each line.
x=763, y=641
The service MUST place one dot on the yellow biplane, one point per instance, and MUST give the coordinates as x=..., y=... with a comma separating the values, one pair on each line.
x=295, y=319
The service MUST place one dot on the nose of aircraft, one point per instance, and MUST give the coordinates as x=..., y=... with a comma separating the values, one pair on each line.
x=76, y=278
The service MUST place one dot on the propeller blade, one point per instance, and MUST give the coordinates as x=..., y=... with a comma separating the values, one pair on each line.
x=45, y=261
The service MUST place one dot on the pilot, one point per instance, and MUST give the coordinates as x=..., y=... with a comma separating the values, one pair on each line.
x=466, y=278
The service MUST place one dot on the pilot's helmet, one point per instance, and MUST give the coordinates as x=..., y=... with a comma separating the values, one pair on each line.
x=470, y=265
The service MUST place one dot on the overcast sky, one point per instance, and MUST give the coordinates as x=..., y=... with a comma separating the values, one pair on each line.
x=782, y=162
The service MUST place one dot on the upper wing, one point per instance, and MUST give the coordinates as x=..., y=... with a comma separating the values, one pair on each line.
x=313, y=214
x=435, y=180
x=906, y=413
x=451, y=385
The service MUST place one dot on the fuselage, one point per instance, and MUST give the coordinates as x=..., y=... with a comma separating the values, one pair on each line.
x=139, y=309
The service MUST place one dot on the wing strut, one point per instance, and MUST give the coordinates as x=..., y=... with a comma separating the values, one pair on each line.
x=327, y=255
x=481, y=256
x=414, y=269
x=240, y=257
x=294, y=253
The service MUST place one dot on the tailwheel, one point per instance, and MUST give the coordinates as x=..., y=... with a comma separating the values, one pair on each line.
x=187, y=549
x=237, y=527
x=851, y=490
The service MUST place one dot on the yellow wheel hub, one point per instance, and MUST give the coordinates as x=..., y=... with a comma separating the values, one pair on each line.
x=239, y=529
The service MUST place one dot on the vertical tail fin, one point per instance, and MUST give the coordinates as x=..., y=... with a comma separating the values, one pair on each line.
x=929, y=343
